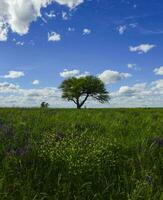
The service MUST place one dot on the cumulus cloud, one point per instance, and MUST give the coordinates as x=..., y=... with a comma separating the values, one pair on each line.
x=158, y=71
x=47, y=92
x=126, y=90
x=20, y=43
x=32, y=97
x=73, y=73
x=65, y=15
x=109, y=76
x=122, y=29
x=14, y=95
x=19, y=14
x=54, y=37
x=139, y=95
x=70, y=3
x=158, y=86
x=36, y=82
x=133, y=66
x=8, y=87
x=51, y=14
x=14, y=74
x=69, y=73
x=129, y=91
x=86, y=31
x=83, y=74
x=143, y=48
x=71, y=29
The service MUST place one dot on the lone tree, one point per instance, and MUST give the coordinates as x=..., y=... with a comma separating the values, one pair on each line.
x=79, y=90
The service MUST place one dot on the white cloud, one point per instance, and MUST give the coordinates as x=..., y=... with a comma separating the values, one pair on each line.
x=139, y=95
x=109, y=76
x=131, y=65
x=86, y=31
x=158, y=71
x=130, y=91
x=126, y=90
x=65, y=15
x=54, y=37
x=36, y=82
x=70, y=3
x=14, y=74
x=69, y=73
x=8, y=87
x=51, y=14
x=19, y=14
x=20, y=43
x=71, y=29
x=83, y=74
x=73, y=73
x=122, y=29
x=143, y=48
x=158, y=86
x=14, y=95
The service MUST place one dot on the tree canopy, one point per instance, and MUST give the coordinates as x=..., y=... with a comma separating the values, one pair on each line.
x=78, y=90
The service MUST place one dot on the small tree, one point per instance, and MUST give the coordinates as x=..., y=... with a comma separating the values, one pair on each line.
x=78, y=90
x=44, y=105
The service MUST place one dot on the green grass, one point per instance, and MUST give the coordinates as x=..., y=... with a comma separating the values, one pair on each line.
x=66, y=154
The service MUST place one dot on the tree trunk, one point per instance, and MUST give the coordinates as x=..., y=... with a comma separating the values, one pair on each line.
x=77, y=103
x=78, y=106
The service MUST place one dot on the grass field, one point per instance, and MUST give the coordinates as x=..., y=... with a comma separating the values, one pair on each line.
x=98, y=154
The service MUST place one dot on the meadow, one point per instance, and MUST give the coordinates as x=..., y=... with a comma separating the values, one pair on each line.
x=89, y=154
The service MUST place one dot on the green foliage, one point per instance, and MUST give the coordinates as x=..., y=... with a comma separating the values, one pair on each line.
x=94, y=154
x=79, y=90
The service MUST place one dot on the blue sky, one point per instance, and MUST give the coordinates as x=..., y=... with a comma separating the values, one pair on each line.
x=42, y=42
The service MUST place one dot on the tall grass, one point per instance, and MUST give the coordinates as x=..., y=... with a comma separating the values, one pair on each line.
x=96, y=154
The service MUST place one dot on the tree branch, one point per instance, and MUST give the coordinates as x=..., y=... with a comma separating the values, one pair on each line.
x=73, y=101
x=82, y=103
